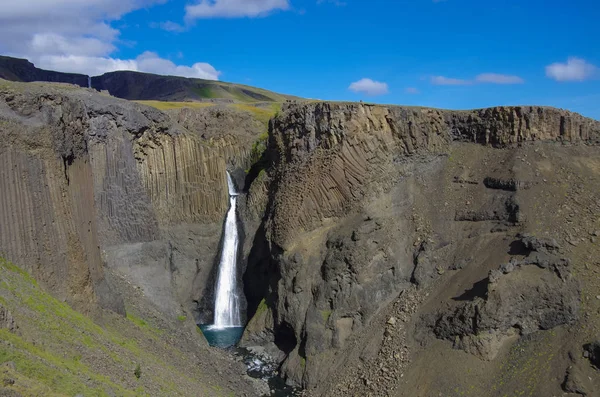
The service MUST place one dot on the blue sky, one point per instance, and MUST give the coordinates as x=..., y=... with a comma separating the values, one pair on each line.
x=450, y=54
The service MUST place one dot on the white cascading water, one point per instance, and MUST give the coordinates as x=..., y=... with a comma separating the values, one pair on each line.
x=227, y=300
x=89, y=82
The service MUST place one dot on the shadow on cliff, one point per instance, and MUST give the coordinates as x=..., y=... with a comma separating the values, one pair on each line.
x=262, y=274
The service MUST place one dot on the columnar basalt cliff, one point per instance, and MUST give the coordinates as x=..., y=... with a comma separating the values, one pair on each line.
x=386, y=250
x=364, y=206
x=340, y=149
x=90, y=180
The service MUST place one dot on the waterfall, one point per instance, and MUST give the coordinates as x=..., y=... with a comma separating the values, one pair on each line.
x=89, y=82
x=227, y=299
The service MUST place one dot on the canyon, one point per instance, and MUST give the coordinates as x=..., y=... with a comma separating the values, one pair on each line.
x=383, y=250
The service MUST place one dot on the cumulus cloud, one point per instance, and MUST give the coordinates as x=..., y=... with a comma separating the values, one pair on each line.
x=483, y=78
x=148, y=62
x=369, y=87
x=76, y=36
x=152, y=63
x=495, y=78
x=233, y=8
x=575, y=69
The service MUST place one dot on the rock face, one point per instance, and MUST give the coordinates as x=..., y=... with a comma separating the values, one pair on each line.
x=361, y=225
x=6, y=320
x=361, y=208
x=521, y=297
x=90, y=181
x=593, y=353
x=16, y=69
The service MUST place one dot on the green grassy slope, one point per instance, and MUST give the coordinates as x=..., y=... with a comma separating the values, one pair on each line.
x=57, y=351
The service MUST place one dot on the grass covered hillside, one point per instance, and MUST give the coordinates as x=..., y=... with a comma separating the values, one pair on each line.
x=145, y=86
x=48, y=349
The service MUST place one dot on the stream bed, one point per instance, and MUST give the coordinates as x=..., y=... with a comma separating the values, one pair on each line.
x=258, y=366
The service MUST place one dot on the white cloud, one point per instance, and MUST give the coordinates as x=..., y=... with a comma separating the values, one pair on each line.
x=151, y=63
x=89, y=65
x=169, y=26
x=148, y=62
x=233, y=8
x=412, y=90
x=576, y=69
x=76, y=36
x=369, y=87
x=483, y=78
x=55, y=44
x=441, y=80
x=495, y=78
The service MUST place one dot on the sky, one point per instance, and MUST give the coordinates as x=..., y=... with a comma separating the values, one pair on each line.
x=456, y=54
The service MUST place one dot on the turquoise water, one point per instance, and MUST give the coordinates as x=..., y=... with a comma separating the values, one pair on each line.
x=222, y=337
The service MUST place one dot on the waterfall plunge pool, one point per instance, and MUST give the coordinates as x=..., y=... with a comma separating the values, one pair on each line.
x=222, y=337
x=226, y=330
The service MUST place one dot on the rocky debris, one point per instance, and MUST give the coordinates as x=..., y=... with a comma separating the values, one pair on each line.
x=515, y=299
x=7, y=320
x=460, y=264
x=575, y=382
x=463, y=181
x=511, y=185
x=593, y=353
x=380, y=375
x=543, y=245
x=497, y=208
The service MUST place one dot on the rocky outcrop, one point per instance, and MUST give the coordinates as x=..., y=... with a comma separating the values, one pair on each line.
x=338, y=150
x=521, y=297
x=7, y=320
x=592, y=352
x=90, y=181
x=16, y=69
x=361, y=207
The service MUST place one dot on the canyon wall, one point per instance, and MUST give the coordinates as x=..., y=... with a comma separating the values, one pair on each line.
x=93, y=183
x=369, y=232
x=368, y=202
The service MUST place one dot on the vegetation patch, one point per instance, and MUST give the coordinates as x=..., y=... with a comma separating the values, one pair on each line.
x=262, y=307
x=160, y=105
x=262, y=114
x=57, y=351
x=325, y=314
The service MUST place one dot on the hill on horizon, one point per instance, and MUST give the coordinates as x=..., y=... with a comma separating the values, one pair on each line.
x=133, y=85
